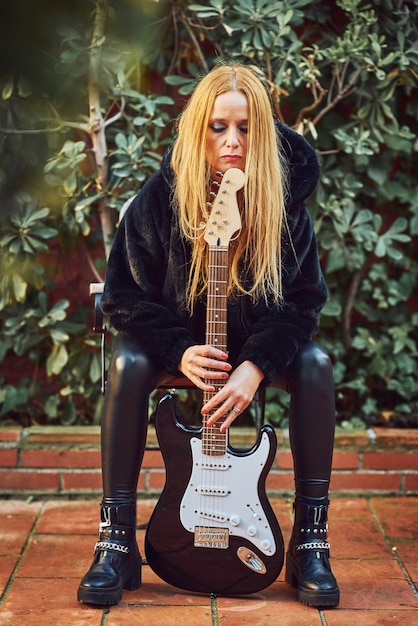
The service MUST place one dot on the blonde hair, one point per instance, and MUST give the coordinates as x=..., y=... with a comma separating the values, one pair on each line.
x=258, y=247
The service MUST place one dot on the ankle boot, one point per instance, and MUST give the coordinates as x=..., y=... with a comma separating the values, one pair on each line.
x=117, y=562
x=307, y=559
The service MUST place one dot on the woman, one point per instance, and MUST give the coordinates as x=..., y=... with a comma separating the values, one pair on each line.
x=155, y=297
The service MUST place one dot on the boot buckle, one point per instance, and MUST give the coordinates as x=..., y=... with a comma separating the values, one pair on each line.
x=313, y=545
x=106, y=521
x=108, y=545
x=319, y=529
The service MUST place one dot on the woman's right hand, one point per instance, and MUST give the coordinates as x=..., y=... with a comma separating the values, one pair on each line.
x=202, y=363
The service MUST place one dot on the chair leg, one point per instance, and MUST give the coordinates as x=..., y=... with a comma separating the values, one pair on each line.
x=259, y=407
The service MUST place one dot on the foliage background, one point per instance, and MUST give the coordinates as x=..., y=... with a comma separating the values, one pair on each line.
x=89, y=92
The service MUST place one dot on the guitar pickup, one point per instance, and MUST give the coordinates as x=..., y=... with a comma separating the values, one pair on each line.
x=213, y=491
x=219, y=518
x=213, y=465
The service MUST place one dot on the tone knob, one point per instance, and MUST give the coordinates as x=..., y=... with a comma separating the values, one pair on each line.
x=251, y=531
x=266, y=544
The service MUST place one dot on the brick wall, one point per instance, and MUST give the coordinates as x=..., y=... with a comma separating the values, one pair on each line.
x=65, y=461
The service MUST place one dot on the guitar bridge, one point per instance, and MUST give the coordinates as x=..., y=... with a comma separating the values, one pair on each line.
x=207, y=537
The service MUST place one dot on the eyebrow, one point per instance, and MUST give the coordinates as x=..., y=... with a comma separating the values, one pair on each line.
x=222, y=120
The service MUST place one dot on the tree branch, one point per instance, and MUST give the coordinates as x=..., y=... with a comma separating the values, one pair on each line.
x=92, y=266
x=348, y=309
x=317, y=101
x=343, y=93
x=195, y=42
x=117, y=116
x=97, y=124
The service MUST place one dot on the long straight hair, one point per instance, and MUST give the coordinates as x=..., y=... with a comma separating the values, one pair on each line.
x=255, y=259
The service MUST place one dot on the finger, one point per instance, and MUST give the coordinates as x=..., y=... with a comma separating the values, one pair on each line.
x=212, y=352
x=207, y=375
x=200, y=384
x=213, y=364
x=229, y=419
x=226, y=424
x=226, y=398
x=205, y=367
x=225, y=411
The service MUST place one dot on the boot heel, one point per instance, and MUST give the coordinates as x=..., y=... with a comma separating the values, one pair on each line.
x=133, y=578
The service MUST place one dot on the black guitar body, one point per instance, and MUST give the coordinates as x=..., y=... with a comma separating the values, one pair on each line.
x=250, y=553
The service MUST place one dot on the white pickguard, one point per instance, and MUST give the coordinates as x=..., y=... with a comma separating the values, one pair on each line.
x=222, y=493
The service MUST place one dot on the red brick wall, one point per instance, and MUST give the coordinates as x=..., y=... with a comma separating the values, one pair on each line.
x=59, y=461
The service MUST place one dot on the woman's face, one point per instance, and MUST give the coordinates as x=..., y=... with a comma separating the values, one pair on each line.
x=226, y=136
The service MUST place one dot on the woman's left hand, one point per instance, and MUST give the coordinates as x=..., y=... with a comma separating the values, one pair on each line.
x=235, y=395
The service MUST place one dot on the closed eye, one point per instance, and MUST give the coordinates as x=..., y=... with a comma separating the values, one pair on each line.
x=217, y=128
x=220, y=128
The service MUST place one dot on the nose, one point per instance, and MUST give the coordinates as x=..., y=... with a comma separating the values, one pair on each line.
x=232, y=137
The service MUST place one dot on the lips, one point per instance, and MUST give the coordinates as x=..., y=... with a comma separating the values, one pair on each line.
x=231, y=157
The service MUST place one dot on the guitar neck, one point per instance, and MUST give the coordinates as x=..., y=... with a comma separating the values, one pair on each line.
x=214, y=442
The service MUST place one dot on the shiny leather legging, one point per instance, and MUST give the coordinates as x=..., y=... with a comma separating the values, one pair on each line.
x=133, y=375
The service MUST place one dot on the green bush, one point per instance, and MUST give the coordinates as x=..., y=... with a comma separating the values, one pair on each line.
x=343, y=74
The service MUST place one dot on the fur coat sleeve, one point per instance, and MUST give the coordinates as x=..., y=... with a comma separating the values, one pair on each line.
x=147, y=273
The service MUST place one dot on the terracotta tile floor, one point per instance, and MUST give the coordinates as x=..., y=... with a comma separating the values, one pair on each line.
x=46, y=546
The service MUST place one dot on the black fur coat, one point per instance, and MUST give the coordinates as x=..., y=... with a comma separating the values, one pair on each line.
x=147, y=272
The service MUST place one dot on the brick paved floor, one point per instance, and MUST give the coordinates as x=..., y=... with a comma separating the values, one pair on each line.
x=46, y=546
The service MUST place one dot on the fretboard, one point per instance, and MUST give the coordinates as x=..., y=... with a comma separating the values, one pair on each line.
x=214, y=442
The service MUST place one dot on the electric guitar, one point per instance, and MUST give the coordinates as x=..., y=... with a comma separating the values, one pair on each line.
x=213, y=529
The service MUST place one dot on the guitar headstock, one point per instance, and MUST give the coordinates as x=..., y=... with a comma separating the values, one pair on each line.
x=225, y=218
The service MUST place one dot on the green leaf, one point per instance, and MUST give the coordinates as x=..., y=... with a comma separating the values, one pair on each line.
x=8, y=88
x=51, y=406
x=95, y=371
x=332, y=309
x=203, y=11
x=140, y=121
x=172, y=79
x=88, y=201
x=58, y=336
x=57, y=359
x=19, y=287
x=69, y=413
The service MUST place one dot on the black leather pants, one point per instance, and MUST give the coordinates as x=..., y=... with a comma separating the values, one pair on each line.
x=132, y=376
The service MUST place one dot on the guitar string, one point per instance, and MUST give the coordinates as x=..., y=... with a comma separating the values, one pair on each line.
x=215, y=446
